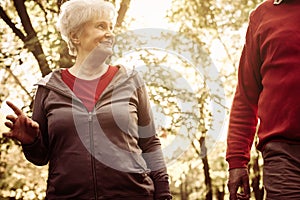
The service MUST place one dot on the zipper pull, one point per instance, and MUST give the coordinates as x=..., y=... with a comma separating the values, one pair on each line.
x=90, y=116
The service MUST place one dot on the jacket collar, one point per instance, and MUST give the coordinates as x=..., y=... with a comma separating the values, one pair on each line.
x=53, y=81
x=277, y=2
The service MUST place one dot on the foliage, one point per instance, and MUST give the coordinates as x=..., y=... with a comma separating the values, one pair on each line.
x=19, y=178
x=216, y=22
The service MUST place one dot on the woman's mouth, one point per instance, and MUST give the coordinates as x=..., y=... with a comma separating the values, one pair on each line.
x=108, y=43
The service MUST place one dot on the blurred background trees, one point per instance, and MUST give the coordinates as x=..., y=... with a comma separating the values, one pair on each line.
x=31, y=47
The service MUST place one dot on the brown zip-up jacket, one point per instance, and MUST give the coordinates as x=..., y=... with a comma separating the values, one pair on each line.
x=112, y=152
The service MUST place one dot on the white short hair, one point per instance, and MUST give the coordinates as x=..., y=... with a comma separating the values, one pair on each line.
x=75, y=13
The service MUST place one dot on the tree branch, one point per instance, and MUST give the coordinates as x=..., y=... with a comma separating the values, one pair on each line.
x=18, y=82
x=8, y=21
x=43, y=9
x=31, y=41
x=122, y=11
x=21, y=9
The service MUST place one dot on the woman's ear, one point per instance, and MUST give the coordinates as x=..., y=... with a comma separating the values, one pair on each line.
x=74, y=38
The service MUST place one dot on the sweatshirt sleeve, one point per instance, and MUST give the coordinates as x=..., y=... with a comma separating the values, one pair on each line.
x=243, y=115
x=151, y=146
x=37, y=153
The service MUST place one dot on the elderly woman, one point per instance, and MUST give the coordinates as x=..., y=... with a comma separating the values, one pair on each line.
x=92, y=122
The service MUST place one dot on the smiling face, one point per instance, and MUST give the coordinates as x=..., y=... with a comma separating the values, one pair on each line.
x=96, y=35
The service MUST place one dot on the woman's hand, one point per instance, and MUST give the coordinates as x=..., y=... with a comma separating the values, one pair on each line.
x=22, y=128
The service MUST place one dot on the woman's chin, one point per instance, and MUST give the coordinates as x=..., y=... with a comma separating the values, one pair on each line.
x=101, y=50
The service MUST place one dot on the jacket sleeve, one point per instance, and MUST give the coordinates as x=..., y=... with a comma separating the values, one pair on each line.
x=37, y=153
x=243, y=116
x=151, y=146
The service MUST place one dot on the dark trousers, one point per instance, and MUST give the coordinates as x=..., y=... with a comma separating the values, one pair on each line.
x=281, y=173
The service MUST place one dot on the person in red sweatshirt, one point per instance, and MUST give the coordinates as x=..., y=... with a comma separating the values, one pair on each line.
x=268, y=92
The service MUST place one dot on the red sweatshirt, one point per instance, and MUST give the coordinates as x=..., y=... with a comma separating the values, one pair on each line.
x=89, y=91
x=268, y=82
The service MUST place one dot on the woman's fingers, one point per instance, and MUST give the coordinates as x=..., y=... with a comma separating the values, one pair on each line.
x=34, y=124
x=8, y=135
x=31, y=124
x=14, y=108
x=9, y=125
x=11, y=118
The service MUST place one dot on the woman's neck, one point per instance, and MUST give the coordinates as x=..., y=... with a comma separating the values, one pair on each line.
x=89, y=67
x=88, y=72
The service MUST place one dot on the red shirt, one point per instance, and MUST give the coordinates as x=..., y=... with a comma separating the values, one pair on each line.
x=268, y=82
x=89, y=91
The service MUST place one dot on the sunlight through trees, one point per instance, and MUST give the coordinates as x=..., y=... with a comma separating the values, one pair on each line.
x=31, y=47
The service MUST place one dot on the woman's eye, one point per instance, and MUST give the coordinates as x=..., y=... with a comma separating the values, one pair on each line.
x=101, y=26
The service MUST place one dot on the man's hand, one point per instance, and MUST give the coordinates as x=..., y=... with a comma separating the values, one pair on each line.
x=239, y=177
x=22, y=128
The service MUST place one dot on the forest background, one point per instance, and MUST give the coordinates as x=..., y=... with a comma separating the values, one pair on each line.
x=192, y=120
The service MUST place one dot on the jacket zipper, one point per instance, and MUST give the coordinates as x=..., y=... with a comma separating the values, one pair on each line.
x=91, y=133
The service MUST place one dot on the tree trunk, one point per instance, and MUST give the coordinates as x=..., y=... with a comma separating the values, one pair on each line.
x=183, y=189
x=31, y=41
x=258, y=192
x=221, y=194
x=204, y=159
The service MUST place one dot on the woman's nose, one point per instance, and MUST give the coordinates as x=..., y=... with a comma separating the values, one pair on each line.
x=109, y=33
